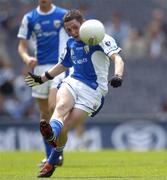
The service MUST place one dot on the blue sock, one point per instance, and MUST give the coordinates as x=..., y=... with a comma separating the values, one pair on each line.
x=48, y=148
x=56, y=126
x=54, y=156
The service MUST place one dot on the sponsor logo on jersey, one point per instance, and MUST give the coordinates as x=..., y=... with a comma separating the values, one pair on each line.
x=72, y=52
x=81, y=61
x=38, y=30
x=45, y=22
x=37, y=27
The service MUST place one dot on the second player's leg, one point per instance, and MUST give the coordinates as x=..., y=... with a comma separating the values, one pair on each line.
x=44, y=110
x=52, y=100
x=44, y=114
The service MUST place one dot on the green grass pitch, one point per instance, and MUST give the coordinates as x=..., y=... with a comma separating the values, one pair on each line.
x=114, y=165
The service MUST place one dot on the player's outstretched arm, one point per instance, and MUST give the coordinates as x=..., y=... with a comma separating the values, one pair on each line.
x=55, y=70
x=34, y=80
x=116, y=80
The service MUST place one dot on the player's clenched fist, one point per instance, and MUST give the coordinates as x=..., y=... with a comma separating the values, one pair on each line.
x=116, y=81
x=33, y=80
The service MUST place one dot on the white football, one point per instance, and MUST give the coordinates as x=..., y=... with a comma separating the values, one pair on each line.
x=92, y=32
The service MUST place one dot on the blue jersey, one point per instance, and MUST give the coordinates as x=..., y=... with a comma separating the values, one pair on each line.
x=48, y=31
x=90, y=63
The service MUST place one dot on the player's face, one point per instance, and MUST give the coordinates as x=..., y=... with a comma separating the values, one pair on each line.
x=72, y=27
x=44, y=3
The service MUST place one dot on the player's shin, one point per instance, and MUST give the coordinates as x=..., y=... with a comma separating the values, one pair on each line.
x=48, y=148
x=55, y=155
x=57, y=126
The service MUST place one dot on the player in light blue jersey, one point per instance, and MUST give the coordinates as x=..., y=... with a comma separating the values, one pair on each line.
x=82, y=93
x=45, y=26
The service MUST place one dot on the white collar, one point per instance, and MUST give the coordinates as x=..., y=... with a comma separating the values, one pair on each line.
x=49, y=12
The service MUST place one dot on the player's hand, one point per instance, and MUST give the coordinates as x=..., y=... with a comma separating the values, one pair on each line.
x=116, y=81
x=31, y=62
x=33, y=80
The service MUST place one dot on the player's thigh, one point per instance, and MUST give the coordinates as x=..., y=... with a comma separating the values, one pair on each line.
x=75, y=118
x=64, y=103
x=52, y=99
x=43, y=107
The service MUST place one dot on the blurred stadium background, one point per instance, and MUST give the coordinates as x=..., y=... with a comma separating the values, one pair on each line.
x=133, y=117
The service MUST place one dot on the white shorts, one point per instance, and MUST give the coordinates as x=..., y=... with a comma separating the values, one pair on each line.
x=42, y=91
x=86, y=98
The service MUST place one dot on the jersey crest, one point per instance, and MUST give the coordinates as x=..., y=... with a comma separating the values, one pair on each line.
x=86, y=49
x=57, y=23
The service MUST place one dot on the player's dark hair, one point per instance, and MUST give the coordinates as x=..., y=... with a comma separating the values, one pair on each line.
x=73, y=14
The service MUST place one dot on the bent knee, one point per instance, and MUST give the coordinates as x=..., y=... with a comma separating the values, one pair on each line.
x=61, y=107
